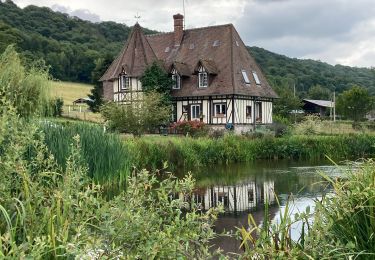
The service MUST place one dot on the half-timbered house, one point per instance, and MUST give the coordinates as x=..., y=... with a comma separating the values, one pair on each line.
x=215, y=78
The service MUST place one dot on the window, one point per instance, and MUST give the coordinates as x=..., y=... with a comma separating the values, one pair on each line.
x=174, y=112
x=176, y=80
x=202, y=78
x=220, y=110
x=249, y=112
x=256, y=78
x=124, y=82
x=195, y=112
x=245, y=77
x=258, y=106
x=250, y=195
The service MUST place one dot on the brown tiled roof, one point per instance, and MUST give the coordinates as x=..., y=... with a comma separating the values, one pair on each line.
x=219, y=49
x=136, y=55
x=182, y=69
x=208, y=65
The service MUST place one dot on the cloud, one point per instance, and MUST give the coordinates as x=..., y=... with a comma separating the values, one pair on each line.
x=327, y=30
x=335, y=31
x=84, y=14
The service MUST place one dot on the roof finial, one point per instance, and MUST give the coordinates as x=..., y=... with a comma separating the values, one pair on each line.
x=183, y=6
x=137, y=17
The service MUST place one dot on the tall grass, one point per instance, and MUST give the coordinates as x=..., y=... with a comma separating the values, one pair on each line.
x=343, y=224
x=189, y=152
x=108, y=160
x=111, y=158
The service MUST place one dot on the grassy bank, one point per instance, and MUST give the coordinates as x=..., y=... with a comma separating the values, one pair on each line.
x=190, y=153
x=111, y=158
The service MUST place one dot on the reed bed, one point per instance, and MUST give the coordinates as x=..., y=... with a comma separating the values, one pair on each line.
x=342, y=225
x=107, y=159
x=110, y=157
x=190, y=152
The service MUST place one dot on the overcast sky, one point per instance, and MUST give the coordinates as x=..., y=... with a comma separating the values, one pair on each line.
x=334, y=31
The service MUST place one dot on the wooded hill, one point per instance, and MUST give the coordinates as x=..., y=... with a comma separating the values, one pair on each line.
x=71, y=47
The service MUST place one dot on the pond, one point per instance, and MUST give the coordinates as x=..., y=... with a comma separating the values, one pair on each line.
x=244, y=188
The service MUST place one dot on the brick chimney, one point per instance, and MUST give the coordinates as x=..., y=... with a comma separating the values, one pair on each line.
x=178, y=28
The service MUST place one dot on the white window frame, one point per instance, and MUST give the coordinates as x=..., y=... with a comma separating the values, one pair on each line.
x=245, y=77
x=125, y=82
x=176, y=80
x=222, y=110
x=194, y=108
x=256, y=78
x=202, y=78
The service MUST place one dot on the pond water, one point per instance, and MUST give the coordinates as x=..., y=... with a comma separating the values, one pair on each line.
x=244, y=188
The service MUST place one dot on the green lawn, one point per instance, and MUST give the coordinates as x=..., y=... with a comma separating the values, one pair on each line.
x=69, y=92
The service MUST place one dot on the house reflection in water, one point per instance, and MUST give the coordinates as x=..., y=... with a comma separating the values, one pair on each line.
x=243, y=197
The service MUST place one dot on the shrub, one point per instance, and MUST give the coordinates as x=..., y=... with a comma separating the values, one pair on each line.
x=26, y=90
x=56, y=105
x=311, y=125
x=193, y=128
x=139, y=117
x=47, y=212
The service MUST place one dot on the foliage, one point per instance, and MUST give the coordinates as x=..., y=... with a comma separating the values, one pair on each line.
x=56, y=105
x=139, y=117
x=308, y=73
x=193, y=128
x=48, y=213
x=341, y=227
x=68, y=44
x=27, y=90
x=272, y=240
x=101, y=65
x=287, y=102
x=318, y=92
x=189, y=152
x=107, y=159
x=311, y=125
x=155, y=79
x=354, y=103
x=347, y=220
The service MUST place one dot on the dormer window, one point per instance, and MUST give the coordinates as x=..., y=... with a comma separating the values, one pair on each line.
x=124, y=82
x=202, y=78
x=176, y=80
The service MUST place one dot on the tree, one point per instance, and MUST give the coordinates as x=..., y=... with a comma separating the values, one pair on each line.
x=101, y=65
x=140, y=117
x=354, y=103
x=318, y=92
x=27, y=90
x=156, y=79
x=287, y=102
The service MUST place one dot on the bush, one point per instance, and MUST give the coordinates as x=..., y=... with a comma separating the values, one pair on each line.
x=193, y=128
x=26, y=90
x=47, y=212
x=140, y=117
x=56, y=105
x=311, y=125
